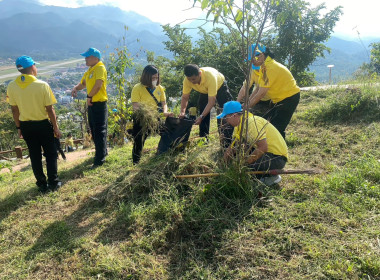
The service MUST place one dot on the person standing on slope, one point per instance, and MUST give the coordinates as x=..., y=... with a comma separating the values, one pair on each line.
x=32, y=103
x=95, y=81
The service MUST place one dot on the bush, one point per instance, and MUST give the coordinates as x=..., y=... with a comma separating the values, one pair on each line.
x=350, y=105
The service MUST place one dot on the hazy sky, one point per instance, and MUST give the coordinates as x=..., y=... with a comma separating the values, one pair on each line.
x=362, y=16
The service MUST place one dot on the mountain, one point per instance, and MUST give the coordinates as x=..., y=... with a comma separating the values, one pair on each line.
x=346, y=56
x=51, y=32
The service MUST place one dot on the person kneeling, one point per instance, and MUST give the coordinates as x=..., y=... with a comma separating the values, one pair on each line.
x=267, y=148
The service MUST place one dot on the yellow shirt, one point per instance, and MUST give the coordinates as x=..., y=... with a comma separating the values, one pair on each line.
x=211, y=81
x=255, y=79
x=96, y=72
x=140, y=94
x=259, y=129
x=31, y=96
x=69, y=142
x=278, y=79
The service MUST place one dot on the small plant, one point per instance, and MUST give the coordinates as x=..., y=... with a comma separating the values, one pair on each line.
x=120, y=61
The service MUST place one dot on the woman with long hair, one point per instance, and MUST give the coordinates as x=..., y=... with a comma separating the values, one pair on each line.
x=276, y=82
x=151, y=94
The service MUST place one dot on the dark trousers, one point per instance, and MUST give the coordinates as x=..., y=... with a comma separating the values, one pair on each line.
x=281, y=112
x=267, y=162
x=39, y=134
x=225, y=130
x=261, y=108
x=97, y=118
x=138, y=140
x=57, y=143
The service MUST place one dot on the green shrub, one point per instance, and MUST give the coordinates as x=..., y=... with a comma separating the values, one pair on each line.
x=347, y=106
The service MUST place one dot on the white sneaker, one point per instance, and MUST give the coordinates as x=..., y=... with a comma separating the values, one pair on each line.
x=271, y=180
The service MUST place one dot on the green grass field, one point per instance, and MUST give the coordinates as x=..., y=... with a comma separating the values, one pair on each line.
x=138, y=222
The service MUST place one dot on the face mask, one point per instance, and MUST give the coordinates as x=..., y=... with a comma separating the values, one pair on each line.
x=154, y=83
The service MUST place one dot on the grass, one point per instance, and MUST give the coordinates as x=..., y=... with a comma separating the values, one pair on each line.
x=137, y=222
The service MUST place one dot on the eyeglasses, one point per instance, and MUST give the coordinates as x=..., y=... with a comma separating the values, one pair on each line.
x=230, y=115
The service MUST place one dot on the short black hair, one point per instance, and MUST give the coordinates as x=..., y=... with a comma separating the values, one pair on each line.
x=268, y=52
x=25, y=71
x=146, y=76
x=191, y=70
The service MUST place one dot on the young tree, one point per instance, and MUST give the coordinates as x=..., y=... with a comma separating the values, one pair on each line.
x=375, y=57
x=119, y=62
x=371, y=69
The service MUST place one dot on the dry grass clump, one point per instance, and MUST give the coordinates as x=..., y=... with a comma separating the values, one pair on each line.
x=148, y=118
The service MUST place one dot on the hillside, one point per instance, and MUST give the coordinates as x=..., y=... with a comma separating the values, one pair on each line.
x=138, y=222
x=55, y=33
x=52, y=32
x=346, y=56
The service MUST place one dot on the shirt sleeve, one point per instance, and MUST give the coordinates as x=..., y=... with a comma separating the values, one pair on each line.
x=212, y=85
x=186, y=89
x=83, y=78
x=49, y=96
x=100, y=73
x=163, y=95
x=10, y=98
x=135, y=95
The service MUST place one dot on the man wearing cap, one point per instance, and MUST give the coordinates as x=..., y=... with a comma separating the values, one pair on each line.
x=267, y=149
x=95, y=81
x=212, y=86
x=32, y=102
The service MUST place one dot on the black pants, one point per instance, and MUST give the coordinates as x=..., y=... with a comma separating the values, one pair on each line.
x=269, y=161
x=57, y=143
x=39, y=134
x=261, y=108
x=97, y=118
x=281, y=112
x=225, y=130
x=138, y=140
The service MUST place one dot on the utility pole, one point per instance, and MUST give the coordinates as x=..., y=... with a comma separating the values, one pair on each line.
x=330, y=67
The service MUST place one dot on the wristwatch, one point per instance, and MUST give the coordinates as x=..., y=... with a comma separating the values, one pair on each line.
x=201, y=116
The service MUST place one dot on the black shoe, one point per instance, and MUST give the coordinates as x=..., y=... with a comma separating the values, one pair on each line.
x=43, y=188
x=94, y=166
x=55, y=186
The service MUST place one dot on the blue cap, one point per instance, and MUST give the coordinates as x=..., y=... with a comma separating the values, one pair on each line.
x=24, y=62
x=114, y=110
x=92, y=52
x=260, y=49
x=230, y=107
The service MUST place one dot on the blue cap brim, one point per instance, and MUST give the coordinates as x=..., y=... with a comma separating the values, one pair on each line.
x=220, y=116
